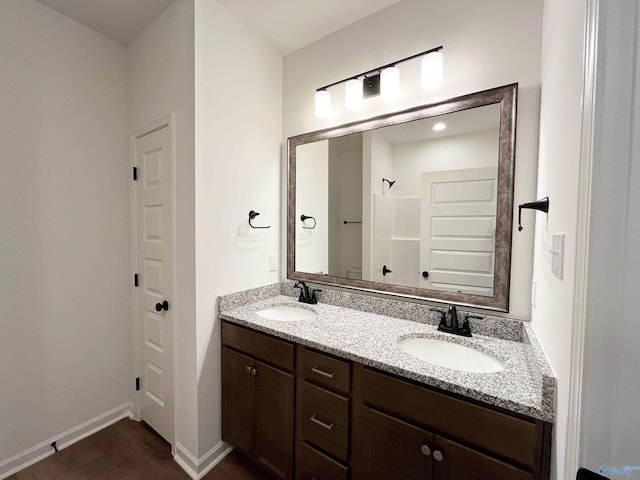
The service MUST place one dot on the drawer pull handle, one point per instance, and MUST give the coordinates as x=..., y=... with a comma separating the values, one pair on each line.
x=322, y=424
x=426, y=451
x=437, y=456
x=323, y=373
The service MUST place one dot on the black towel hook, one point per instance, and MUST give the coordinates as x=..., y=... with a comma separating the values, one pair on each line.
x=542, y=205
x=304, y=217
x=253, y=214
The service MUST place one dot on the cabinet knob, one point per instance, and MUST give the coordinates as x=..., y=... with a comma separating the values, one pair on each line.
x=162, y=306
x=253, y=371
x=248, y=369
x=437, y=456
x=426, y=451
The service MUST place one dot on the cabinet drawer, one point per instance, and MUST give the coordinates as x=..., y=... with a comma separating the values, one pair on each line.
x=324, y=370
x=324, y=419
x=478, y=426
x=258, y=345
x=316, y=465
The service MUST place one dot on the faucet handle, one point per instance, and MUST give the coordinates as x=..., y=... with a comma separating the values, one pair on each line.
x=314, y=295
x=443, y=315
x=465, y=330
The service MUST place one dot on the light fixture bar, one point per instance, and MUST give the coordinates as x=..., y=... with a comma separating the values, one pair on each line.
x=379, y=69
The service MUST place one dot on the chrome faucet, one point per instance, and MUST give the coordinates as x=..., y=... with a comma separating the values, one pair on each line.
x=305, y=295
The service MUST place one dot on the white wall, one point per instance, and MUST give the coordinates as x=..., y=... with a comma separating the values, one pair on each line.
x=377, y=163
x=558, y=176
x=160, y=69
x=470, y=150
x=610, y=423
x=345, y=203
x=65, y=345
x=238, y=80
x=486, y=45
x=312, y=186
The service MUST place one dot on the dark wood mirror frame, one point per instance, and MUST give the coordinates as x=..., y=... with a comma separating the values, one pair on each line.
x=506, y=97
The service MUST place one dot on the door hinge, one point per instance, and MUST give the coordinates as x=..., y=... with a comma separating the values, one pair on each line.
x=137, y=383
x=135, y=174
x=135, y=280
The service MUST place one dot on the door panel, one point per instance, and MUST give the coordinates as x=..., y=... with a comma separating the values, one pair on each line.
x=457, y=239
x=394, y=450
x=237, y=400
x=154, y=253
x=274, y=420
x=462, y=463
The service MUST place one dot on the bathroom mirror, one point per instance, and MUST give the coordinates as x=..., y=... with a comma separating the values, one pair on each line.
x=417, y=203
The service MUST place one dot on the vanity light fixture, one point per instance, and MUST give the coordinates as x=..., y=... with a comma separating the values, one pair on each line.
x=432, y=70
x=439, y=127
x=383, y=81
x=390, y=83
x=353, y=94
x=323, y=103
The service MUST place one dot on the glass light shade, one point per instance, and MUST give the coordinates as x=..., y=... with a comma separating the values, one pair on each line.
x=432, y=70
x=353, y=93
x=390, y=83
x=323, y=103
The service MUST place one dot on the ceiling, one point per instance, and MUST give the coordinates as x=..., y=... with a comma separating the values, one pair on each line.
x=286, y=25
x=120, y=20
x=291, y=24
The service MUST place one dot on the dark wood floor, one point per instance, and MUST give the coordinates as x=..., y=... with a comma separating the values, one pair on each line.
x=128, y=450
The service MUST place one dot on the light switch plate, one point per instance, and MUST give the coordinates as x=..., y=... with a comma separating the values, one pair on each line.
x=273, y=262
x=557, y=255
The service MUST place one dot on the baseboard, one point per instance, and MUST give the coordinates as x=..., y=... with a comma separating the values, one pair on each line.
x=42, y=450
x=198, y=468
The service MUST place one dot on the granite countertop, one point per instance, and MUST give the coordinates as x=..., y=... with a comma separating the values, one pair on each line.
x=525, y=386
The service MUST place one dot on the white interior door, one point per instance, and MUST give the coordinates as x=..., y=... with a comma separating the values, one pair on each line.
x=457, y=238
x=155, y=265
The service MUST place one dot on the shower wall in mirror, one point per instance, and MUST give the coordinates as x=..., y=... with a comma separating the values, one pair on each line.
x=420, y=207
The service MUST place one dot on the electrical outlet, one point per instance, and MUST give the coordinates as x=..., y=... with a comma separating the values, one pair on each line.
x=557, y=255
x=273, y=262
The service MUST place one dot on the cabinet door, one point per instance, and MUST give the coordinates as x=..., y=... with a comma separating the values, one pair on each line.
x=394, y=450
x=462, y=463
x=237, y=400
x=274, y=420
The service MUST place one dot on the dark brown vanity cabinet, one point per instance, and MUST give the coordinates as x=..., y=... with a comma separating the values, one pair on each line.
x=417, y=454
x=356, y=423
x=257, y=398
x=411, y=432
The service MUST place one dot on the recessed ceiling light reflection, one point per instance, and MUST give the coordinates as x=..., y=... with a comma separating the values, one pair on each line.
x=439, y=126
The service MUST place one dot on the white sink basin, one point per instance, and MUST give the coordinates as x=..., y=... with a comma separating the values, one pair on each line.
x=286, y=313
x=450, y=355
